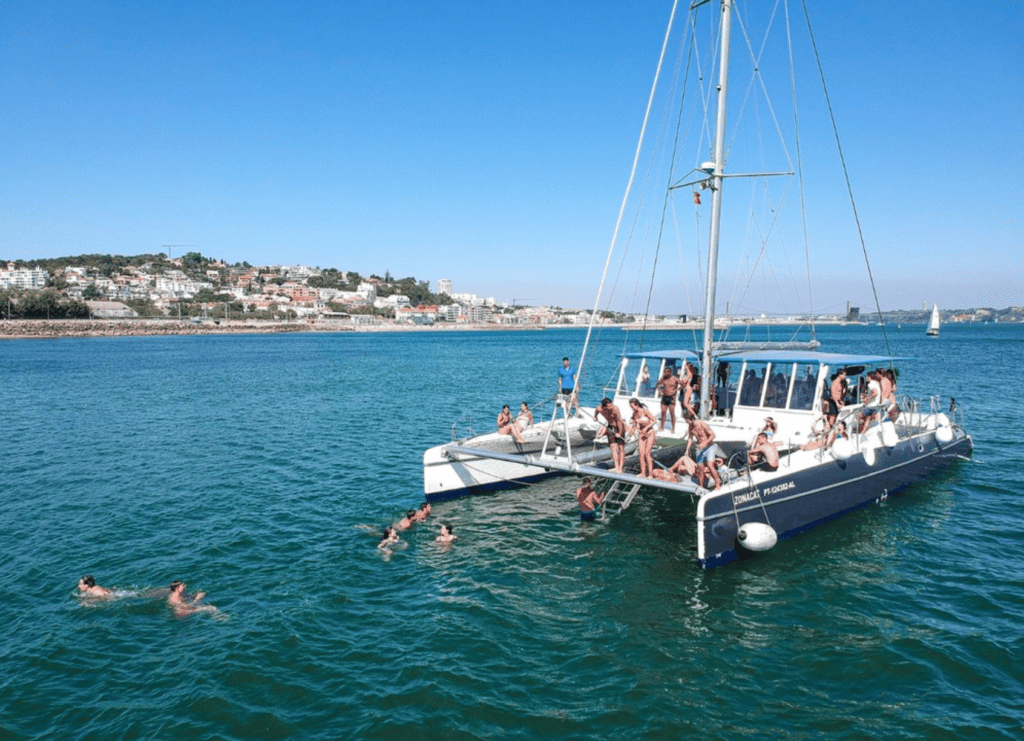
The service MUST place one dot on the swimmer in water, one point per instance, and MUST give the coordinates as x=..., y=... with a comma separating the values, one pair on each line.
x=407, y=522
x=422, y=512
x=177, y=601
x=87, y=587
x=446, y=535
x=389, y=538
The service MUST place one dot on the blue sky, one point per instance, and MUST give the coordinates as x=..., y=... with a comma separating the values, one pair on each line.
x=486, y=142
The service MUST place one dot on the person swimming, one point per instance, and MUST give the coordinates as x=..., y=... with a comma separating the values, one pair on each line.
x=446, y=536
x=181, y=605
x=87, y=587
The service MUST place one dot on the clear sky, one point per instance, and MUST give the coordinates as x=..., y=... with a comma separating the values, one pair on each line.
x=486, y=141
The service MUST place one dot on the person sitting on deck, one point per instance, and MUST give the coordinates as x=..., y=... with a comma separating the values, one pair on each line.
x=506, y=426
x=763, y=452
x=524, y=420
x=826, y=438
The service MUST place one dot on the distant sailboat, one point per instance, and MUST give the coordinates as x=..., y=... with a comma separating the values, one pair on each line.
x=933, y=323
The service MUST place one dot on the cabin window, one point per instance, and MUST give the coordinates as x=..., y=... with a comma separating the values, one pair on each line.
x=726, y=384
x=776, y=392
x=803, y=389
x=752, y=387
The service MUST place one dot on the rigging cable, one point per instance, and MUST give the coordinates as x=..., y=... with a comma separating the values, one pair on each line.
x=846, y=174
x=629, y=185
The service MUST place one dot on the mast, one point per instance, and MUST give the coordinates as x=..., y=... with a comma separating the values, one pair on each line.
x=716, y=173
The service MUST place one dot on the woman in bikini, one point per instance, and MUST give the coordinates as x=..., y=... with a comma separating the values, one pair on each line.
x=645, y=426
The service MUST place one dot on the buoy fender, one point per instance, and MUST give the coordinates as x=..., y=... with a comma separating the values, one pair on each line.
x=757, y=536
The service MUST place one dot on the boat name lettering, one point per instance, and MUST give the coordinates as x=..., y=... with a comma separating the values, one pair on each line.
x=741, y=498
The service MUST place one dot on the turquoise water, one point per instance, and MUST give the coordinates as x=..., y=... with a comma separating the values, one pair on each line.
x=254, y=468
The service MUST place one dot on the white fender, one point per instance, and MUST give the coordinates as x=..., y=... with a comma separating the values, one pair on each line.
x=842, y=448
x=889, y=435
x=944, y=434
x=756, y=536
x=869, y=456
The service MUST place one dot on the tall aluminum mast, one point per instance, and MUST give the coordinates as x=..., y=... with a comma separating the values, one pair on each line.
x=707, y=372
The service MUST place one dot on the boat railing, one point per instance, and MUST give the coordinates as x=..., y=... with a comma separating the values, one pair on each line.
x=464, y=423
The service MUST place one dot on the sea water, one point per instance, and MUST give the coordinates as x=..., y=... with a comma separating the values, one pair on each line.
x=259, y=468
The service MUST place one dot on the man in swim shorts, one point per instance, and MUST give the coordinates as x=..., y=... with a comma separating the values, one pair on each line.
x=615, y=429
x=588, y=500
x=668, y=384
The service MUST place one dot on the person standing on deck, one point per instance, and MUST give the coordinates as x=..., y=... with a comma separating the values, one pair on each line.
x=838, y=388
x=567, y=383
x=668, y=384
x=615, y=429
x=708, y=455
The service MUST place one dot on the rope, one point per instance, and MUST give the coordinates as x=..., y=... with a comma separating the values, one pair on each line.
x=629, y=185
x=846, y=174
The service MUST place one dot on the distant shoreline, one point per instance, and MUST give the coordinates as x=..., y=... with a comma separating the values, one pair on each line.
x=26, y=329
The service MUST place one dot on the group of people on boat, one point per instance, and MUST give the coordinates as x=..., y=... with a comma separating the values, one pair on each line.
x=515, y=427
x=180, y=603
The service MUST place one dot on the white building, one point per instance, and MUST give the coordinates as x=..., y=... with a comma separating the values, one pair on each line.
x=31, y=279
x=444, y=285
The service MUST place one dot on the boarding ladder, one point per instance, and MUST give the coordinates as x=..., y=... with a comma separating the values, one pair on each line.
x=618, y=498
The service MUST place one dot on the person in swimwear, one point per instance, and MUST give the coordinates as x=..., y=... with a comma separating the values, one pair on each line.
x=615, y=429
x=663, y=474
x=588, y=500
x=446, y=535
x=408, y=521
x=506, y=426
x=668, y=384
x=87, y=587
x=524, y=420
x=709, y=456
x=181, y=605
x=765, y=453
x=685, y=466
x=645, y=426
x=422, y=512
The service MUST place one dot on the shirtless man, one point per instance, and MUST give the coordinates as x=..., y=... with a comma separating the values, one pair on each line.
x=887, y=382
x=588, y=500
x=615, y=429
x=708, y=455
x=182, y=606
x=690, y=397
x=668, y=384
x=765, y=453
x=838, y=388
x=422, y=512
x=407, y=522
x=87, y=587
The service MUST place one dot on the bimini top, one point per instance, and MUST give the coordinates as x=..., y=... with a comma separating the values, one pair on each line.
x=833, y=360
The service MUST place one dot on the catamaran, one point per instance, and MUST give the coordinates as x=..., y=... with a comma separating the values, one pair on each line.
x=843, y=437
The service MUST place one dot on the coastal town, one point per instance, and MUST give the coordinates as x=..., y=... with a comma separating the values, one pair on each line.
x=156, y=294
